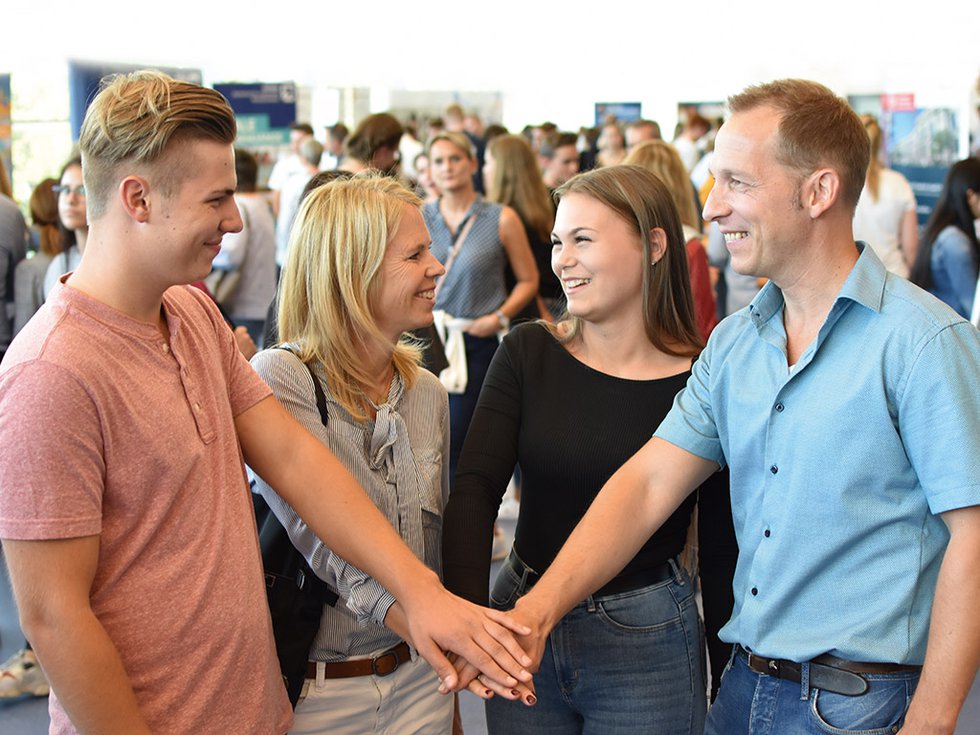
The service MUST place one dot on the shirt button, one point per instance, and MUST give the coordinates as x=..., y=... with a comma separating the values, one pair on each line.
x=166, y=348
x=755, y=591
x=766, y=534
x=197, y=407
x=774, y=469
x=779, y=407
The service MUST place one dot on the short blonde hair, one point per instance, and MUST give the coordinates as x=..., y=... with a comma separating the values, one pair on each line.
x=135, y=118
x=330, y=282
x=662, y=160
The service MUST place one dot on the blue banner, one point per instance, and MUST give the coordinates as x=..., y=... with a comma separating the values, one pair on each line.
x=264, y=112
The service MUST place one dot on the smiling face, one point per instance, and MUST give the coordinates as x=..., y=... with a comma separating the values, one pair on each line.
x=194, y=217
x=598, y=257
x=450, y=166
x=756, y=200
x=71, y=199
x=407, y=279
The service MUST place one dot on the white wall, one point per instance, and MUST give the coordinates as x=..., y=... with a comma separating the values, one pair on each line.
x=550, y=60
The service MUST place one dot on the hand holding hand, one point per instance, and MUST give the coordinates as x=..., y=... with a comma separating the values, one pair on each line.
x=440, y=621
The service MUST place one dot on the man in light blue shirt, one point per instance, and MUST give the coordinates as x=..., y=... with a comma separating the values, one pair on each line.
x=845, y=401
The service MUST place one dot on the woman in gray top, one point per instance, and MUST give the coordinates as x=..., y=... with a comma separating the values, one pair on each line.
x=358, y=276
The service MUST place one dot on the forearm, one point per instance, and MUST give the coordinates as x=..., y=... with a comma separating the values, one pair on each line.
x=635, y=502
x=520, y=296
x=953, y=651
x=317, y=486
x=86, y=672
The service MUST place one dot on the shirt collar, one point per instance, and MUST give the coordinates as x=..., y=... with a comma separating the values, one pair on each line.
x=865, y=285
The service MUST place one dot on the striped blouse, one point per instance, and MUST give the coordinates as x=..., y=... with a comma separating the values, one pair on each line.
x=398, y=460
x=474, y=285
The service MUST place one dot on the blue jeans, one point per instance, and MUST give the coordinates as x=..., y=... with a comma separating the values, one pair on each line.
x=755, y=704
x=631, y=663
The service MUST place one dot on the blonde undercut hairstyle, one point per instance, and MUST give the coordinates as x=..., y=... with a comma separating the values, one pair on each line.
x=330, y=283
x=644, y=203
x=135, y=119
x=816, y=128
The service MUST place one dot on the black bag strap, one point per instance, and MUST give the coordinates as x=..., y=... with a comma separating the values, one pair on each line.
x=321, y=397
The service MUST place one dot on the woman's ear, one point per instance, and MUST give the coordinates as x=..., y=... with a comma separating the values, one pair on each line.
x=658, y=244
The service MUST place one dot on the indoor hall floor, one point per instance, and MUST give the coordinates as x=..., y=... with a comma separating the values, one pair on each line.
x=30, y=717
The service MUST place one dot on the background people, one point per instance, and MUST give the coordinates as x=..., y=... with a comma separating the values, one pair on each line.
x=373, y=144
x=74, y=223
x=512, y=178
x=885, y=215
x=474, y=240
x=949, y=254
x=611, y=145
x=662, y=160
x=249, y=255
x=48, y=242
x=13, y=248
x=559, y=157
x=570, y=403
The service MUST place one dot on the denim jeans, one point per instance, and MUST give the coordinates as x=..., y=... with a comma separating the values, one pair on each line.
x=755, y=704
x=632, y=662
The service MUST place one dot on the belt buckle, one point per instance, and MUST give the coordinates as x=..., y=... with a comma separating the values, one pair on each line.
x=390, y=655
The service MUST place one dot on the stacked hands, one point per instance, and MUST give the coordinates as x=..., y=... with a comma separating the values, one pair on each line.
x=471, y=647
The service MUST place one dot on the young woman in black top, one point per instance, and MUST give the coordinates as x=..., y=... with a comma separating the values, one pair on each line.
x=571, y=402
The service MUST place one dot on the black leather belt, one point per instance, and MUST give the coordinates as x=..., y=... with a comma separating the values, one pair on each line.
x=826, y=672
x=634, y=580
x=383, y=665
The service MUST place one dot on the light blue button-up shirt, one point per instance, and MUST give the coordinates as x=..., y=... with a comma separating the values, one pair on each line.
x=839, y=469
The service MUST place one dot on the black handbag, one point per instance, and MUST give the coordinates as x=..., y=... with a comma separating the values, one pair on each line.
x=296, y=595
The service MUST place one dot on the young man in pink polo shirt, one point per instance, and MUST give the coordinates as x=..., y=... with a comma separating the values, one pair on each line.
x=125, y=413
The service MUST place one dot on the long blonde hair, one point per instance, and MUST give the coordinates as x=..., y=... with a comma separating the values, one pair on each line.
x=873, y=182
x=517, y=183
x=663, y=160
x=330, y=283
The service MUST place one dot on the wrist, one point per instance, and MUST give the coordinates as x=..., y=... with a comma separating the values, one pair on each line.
x=421, y=589
x=538, y=612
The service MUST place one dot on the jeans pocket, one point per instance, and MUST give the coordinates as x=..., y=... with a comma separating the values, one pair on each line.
x=506, y=587
x=879, y=711
x=647, y=609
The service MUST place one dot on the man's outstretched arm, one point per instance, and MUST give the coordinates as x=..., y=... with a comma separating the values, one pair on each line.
x=315, y=483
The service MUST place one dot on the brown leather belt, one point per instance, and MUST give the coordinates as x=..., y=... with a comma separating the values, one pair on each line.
x=827, y=672
x=383, y=665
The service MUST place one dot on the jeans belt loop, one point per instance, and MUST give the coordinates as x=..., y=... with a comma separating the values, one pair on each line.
x=678, y=577
x=805, y=681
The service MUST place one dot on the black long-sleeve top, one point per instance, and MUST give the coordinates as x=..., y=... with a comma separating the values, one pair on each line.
x=570, y=427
